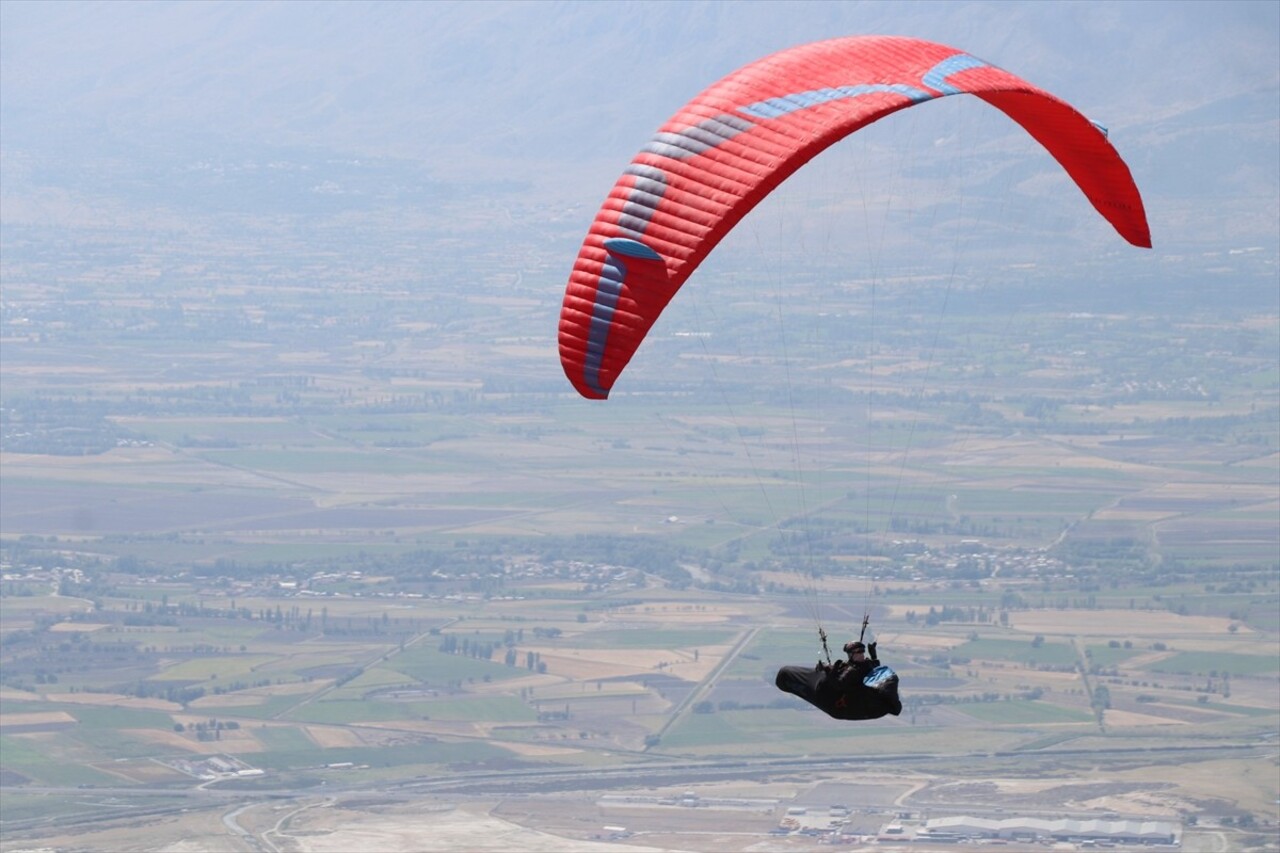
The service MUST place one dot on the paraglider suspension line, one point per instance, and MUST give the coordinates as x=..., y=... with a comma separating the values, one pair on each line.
x=866, y=617
x=822, y=633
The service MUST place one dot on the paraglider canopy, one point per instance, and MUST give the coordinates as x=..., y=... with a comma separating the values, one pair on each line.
x=730, y=146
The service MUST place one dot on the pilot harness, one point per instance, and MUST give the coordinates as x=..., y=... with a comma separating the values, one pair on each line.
x=822, y=635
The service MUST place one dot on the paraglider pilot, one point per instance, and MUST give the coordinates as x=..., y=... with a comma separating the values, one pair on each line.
x=861, y=689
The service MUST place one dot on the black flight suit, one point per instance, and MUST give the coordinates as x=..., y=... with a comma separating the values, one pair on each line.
x=862, y=690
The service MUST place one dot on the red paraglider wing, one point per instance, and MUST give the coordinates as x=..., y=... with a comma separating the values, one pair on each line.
x=729, y=147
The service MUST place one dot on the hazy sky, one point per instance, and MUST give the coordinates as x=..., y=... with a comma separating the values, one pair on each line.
x=412, y=77
x=546, y=92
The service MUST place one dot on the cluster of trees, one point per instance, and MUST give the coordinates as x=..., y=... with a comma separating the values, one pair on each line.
x=532, y=660
x=177, y=693
x=708, y=707
x=59, y=426
x=465, y=646
x=914, y=701
x=950, y=613
x=207, y=731
x=1122, y=550
x=453, y=644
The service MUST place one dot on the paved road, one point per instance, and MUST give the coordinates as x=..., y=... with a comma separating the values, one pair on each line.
x=707, y=683
x=646, y=770
x=238, y=831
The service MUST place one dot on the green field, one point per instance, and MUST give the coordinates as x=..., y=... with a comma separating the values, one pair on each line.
x=19, y=807
x=645, y=638
x=1109, y=655
x=430, y=667
x=766, y=514
x=498, y=709
x=114, y=719
x=1050, y=653
x=1203, y=663
x=349, y=711
x=278, y=739
x=1019, y=712
x=21, y=755
x=223, y=667
x=257, y=431
x=269, y=709
x=371, y=679
x=301, y=461
x=764, y=730
x=416, y=755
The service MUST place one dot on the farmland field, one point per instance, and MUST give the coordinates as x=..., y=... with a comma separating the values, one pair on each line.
x=335, y=559
x=1015, y=650
x=1203, y=663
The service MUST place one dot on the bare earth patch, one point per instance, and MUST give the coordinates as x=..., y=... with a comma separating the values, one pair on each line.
x=334, y=737
x=445, y=728
x=919, y=641
x=145, y=772
x=494, y=732
x=684, y=614
x=232, y=740
x=581, y=664
x=228, y=700
x=1112, y=623
x=77, y=627
x=112, y=700
x=257, y=695
x=176, y=740
x=1131, y=515
x=1002, y=453
x=858, y=586
x=190, y=832
x=1133, y=718
x=124, y=466
x=515, y=685
x=532, y=749
x=38, y=718
x=1173, y=790
x=469, y=828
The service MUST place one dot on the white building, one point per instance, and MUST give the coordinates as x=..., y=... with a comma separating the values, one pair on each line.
x=1126, y=831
